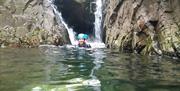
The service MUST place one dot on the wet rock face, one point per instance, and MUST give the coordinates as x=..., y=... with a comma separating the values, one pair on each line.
x=144, y=26
x=29, y=23
x=78, y=14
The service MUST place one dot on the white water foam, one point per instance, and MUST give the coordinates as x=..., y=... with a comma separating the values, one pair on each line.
x=98, y=20
x=97, y=45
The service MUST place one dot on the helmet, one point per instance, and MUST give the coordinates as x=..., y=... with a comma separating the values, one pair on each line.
x=82, y=36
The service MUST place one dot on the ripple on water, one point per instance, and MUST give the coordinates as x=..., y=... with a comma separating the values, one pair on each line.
x=25, y=69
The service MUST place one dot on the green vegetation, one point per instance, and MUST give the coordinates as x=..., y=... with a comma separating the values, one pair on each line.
x=149, y=47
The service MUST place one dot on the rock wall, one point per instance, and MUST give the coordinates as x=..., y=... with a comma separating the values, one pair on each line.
x=143, y=26
x=29, y=23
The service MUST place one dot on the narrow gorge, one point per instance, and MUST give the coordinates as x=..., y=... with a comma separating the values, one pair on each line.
x=141, y=26
x=89, y=45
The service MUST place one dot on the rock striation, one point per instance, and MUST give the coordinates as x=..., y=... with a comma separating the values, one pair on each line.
x=29, y=23
x=143, y=26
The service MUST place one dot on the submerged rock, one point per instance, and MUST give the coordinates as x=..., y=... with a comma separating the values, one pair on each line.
x=29, y=23
x=144, y=26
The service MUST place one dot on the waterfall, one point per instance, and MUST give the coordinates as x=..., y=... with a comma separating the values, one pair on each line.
x=98, y=21
x=61, y=21
x=97, y=26
x=70, y=30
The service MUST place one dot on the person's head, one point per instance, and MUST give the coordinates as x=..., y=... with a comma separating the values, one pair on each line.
x=81, y=41
x=82, y=36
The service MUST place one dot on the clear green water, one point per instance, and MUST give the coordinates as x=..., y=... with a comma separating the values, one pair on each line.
x=59, y=69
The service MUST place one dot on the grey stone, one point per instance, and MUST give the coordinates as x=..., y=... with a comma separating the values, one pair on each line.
x=29, y=19
x=136, y=17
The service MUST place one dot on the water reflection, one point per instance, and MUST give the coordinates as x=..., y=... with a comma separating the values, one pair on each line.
x=68, y=69
x=98, y=60
x=137, y=73
x=79, y=65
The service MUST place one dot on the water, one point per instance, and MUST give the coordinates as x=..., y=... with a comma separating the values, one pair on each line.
x=98, y=21
x=50, y=68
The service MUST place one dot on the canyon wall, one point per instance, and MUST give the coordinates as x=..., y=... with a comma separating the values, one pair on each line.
x=143, y=26
x=29, y=23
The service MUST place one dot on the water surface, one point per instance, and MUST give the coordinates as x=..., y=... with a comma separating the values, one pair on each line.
x=64, y=69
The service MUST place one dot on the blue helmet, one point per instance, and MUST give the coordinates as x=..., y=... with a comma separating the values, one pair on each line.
x=82, y=36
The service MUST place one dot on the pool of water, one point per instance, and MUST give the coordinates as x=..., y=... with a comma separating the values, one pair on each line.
x=51, y=68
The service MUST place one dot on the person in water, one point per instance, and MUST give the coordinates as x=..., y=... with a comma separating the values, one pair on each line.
x=82, y=40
